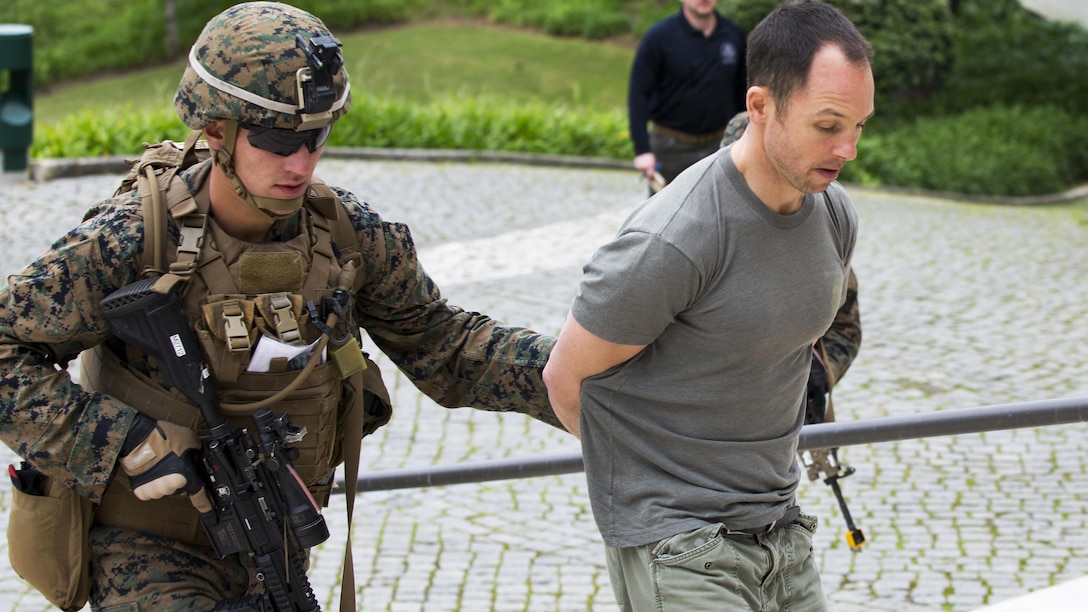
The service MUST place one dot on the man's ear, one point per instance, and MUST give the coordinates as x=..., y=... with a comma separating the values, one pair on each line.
x=760, y=104
x=213, y=133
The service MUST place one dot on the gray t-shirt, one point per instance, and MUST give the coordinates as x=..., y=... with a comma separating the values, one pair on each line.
x=701, y=427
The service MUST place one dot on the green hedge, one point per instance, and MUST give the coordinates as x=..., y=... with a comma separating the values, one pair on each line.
x=993, y=51
x=105, y=133
x=983, y=151
x=77, y=38
x=1008, y=116
x=1006, y=56
x=592, y=19
x=911, y=39
x=485, y=124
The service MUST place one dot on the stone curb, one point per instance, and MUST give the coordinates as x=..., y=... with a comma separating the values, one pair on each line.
x=50, y=169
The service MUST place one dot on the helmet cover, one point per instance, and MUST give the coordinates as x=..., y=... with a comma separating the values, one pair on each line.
x=245, y=66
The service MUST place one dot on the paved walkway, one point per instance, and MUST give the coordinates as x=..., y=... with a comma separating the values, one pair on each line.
x=963, y=305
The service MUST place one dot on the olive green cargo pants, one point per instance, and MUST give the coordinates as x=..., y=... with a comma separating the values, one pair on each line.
x=708, y=569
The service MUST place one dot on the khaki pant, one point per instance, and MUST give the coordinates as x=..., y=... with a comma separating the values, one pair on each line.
x=705, y=569
x=674, y=156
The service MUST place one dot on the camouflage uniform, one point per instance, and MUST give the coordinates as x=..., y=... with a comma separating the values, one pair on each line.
x=734, y=129
x=50, y=312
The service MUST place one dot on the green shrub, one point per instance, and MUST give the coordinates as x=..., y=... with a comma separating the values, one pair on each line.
x=104, y=133
x=911, y=39
x=483, y=124
x=73, y=39
x=1034, y=75
x=592, y=19
x=1004, y=55
x=645, y=13
x=348, y=14
x=912, y=45
x=984, y=151
x=453, y=122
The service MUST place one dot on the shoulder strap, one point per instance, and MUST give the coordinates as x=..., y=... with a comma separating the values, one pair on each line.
x=353, y=431
x=331, y=213
x=344, y=237
x=152, y=177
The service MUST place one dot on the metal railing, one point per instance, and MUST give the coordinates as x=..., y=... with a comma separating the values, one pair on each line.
x=1039, y=413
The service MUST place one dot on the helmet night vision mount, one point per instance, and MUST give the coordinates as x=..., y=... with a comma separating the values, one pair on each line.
x=316, y=85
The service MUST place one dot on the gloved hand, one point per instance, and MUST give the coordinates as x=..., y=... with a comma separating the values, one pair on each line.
x=157, y=457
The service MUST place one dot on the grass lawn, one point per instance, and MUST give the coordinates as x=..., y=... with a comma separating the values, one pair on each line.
x=414, y=62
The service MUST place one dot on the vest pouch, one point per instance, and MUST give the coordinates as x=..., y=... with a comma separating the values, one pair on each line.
x=377, y=404
x=49, y=543
x=227, y=336
x=312, y=405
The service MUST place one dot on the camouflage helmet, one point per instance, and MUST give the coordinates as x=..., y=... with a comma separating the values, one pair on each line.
x=267, y=64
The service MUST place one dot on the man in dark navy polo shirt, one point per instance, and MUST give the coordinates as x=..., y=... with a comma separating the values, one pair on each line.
x=688, y=78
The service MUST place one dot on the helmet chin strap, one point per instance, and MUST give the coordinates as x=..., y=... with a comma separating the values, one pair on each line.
x=271, y=208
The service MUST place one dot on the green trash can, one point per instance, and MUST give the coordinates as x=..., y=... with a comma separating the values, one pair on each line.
x=16, y=95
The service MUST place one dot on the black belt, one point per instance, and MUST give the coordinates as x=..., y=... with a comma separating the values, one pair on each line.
x=787, y=517
x=693, y=139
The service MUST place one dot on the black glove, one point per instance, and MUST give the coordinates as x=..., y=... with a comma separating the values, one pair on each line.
x=158, y=458
x=816, y=404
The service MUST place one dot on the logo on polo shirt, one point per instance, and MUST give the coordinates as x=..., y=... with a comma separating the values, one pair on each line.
x=729, y=54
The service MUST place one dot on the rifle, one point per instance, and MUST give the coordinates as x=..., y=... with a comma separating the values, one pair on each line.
x=825, y=461
x=256, y=493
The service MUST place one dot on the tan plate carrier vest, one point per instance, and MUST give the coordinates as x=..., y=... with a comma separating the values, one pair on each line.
x=236, y=293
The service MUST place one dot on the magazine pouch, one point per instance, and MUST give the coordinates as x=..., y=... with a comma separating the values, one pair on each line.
x=49, y=537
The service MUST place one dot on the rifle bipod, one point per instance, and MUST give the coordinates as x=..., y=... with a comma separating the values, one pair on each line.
x=826, y=461
x=854, y=536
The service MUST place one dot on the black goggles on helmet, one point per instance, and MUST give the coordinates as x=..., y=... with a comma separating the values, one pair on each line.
x=284, y=142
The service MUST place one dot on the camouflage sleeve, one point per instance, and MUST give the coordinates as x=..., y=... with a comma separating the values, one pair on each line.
x=457, y=358
x=734, y=129
x=49, y=312
x=840, y=345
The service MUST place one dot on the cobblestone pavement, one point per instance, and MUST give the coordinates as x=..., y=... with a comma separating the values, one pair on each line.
x=963, y=305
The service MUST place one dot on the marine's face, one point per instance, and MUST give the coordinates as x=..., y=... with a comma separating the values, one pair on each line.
x=269, y=175
x=809, y=143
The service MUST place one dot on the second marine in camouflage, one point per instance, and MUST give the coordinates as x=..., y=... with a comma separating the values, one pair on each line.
x=256, y=237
